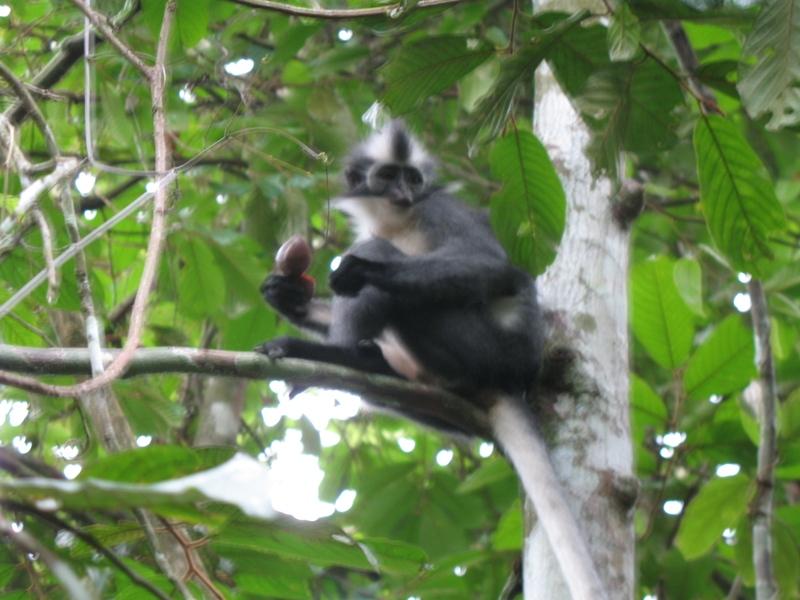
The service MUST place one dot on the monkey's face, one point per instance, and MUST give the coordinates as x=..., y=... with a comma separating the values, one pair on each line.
x=401, y=184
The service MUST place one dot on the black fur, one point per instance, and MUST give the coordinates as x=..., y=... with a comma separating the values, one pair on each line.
x=442, y=303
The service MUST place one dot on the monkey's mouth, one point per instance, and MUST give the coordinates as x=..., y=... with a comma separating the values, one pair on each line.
x=401, y=201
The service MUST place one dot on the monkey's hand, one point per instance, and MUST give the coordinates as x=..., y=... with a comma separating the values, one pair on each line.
x=290, y=295
x=353, y=274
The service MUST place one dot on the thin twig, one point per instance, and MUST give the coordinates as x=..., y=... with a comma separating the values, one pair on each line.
x=53, y=278
x=70, y=252
x=25, y=97
x=102, y=24
x=196, y=568
x=61, y=570
x=90, y=540
x=688, y=60
x=766, y=386
x=390, y=10
x=30, y=195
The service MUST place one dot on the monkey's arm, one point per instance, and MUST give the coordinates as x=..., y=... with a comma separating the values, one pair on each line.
x=290, y=297
x=446, y=276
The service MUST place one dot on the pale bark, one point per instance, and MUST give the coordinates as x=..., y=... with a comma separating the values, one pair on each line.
x=767, y=400
x=586, y=287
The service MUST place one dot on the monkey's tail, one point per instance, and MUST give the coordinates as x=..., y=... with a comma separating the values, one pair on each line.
x=515, y=430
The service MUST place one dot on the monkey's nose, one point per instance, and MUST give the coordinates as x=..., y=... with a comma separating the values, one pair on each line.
x=403, y=201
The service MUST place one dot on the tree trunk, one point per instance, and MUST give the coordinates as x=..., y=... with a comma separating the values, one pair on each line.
x=588, y=432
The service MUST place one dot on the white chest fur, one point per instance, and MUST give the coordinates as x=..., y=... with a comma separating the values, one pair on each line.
x=376, y=216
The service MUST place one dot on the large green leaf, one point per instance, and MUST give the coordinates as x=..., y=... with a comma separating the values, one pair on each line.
x=155, y=463
x=580, y=52
x=770, y=82
x=723, y=363
x=429, y=66
x=629, y=106
x=648, y=412
x=719, y=505
x=192, y=20
x=528, y=213
x=201, y=284
x=737, y=197
x=689, y=279
x=319, y=545
x=661, y=320
x=623, y=34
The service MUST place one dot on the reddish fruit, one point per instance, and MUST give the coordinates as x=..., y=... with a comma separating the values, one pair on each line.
x=308, y=284
x=293, y=257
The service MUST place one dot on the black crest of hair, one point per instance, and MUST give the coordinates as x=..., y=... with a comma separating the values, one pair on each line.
x=401, y=144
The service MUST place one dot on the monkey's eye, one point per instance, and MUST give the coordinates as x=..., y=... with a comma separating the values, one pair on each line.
x=388, y=172
x=413, y=176
x=354, y=177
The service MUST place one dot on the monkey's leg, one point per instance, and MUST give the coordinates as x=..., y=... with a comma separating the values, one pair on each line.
x=361, y=358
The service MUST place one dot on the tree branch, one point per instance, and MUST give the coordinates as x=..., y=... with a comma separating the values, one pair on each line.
x=424, y=403
x=102, y=24
x=391, y=10
x=25, y=97
x=762, y=504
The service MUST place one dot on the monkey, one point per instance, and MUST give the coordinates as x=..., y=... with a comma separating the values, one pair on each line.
x=426, y=292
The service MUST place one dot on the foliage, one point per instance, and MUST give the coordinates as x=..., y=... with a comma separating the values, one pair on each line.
x=721, y=201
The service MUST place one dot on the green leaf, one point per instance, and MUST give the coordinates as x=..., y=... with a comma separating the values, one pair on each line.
x=508, y=535
x=736, y=194
x=531, y=196
x=689, y=281
x=296, y=73
x=787, y=560
x=580, y=52
x=394, y=556
x=320, y=545
x=719, y=505
x=98, y=494
x=490, y=472
x=724, y=362
x=201, y=282
x=153, y=14
x=661, y=320
x=192, y=21
x=629, y=106
x=495, y=108
x=623, y=34
x=155, y=463
x=273, y=578
x=789, y=416
x=648, y=409
x=770, y=67
x=429, y=66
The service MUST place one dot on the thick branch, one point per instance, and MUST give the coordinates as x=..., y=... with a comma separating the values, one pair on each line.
x=393, y=395
x=767, y=448
x=392, y=10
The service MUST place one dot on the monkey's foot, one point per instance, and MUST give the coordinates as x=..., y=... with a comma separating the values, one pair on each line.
x=275, y=349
